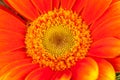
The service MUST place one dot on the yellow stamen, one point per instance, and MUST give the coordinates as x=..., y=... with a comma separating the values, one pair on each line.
x=57, y=39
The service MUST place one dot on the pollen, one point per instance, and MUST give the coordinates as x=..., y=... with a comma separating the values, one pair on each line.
x=57, y=39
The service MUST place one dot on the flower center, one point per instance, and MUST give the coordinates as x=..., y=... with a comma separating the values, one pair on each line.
x=57, y=39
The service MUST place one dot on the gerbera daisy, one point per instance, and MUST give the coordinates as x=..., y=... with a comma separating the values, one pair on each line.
x=60, y=40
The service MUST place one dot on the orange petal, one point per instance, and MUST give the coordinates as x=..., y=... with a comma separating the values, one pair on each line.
x=25, y=8
x=85, y=69
x=62, y=75
x=116, y=63
x=13, y=64
x=10, y=41
x=6, y=24
x=67, y=4
x=78, y=6
x=113, y=1
x=113, y=10
x=117, y=36
x=105, y=48
x=106, y=70
x=40, y=74
x=11, y=56
x=43, y=5
x=19, y=50
x=109, y=28
x=56, y=4
x=19, y=72
x=94, y=9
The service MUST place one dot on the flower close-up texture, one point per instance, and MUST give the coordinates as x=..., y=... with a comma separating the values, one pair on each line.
x=59, y=39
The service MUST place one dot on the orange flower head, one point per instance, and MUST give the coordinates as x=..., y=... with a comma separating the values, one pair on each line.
x=59, y=39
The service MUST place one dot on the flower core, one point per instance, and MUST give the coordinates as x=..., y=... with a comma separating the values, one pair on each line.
x=57, y=39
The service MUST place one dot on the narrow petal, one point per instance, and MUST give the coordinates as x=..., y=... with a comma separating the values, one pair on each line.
x=25, y=8
x=106, y=70
x=116, y=63
x=62, y=75
x=40, y=74
x=43, y=5
x=113, y=10
x=56, y=4
x=67, y=4
x=10, y=41
x=13, y=64
x=6, y=24
x=85, y=69
x=11, y=56
x=94, y=9
x=19, y=72
x=105, y=48
x=79, y=5
x=109, y=28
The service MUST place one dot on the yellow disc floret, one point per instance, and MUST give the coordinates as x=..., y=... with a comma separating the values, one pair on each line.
x=57, y=39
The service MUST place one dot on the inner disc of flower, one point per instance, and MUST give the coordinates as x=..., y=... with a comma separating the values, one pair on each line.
x=57, y=39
